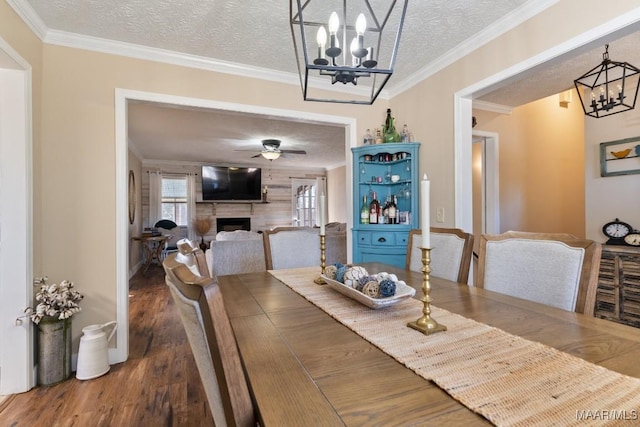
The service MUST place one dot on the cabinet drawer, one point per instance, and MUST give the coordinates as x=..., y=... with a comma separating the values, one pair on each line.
x=383, y=238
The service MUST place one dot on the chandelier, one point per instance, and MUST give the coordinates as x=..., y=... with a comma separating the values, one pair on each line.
x=355, y=45
x=608, y=88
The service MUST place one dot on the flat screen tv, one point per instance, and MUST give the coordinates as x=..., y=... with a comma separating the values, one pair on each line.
x=231, y=183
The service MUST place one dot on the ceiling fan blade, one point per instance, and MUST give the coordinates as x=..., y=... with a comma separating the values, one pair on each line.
x=257, y=155
x=294, y=151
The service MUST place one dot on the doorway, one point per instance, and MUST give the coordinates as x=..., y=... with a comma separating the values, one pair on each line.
x=485, y=189
x=16, y=218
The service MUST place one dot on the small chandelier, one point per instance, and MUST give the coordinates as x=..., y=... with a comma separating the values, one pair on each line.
x=372, y=37
x=609, y=88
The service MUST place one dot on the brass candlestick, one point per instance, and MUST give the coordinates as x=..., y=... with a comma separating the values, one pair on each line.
x=323, y=258
x=426, y=324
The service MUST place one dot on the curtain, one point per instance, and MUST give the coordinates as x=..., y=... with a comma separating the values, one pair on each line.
x=191, y=206
x=155, y=197
x=321, y=188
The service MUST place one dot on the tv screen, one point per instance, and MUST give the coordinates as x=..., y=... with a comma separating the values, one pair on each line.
x=231, y=183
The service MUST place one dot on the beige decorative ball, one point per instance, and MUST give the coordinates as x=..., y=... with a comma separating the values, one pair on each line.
x=330, y=271
x=371, y=289
x=353, y=275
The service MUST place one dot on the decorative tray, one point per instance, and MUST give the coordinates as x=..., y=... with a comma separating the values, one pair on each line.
x=403, y=291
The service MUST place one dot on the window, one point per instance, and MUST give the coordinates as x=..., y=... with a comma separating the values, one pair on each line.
x=304, y=202
x=174, y=199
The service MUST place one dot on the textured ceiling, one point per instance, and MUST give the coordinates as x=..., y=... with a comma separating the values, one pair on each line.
x=256, y=35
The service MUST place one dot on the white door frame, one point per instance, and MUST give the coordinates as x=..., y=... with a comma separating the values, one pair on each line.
x=463, y=102
x=16, y=222
x=122, y=97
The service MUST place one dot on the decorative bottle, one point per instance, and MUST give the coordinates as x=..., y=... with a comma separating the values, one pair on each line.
x=390, y=133
x=406, y=135
x=367, y=138
x=374, y=209
x=379, y=139
x=364, y=211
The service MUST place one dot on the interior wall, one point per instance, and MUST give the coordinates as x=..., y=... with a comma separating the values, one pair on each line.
x=135, y=229
x=336, y=194
x=541, y=160
x=611, y=197
x=428, y=107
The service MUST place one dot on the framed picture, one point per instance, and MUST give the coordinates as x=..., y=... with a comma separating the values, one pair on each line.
x=621, y=157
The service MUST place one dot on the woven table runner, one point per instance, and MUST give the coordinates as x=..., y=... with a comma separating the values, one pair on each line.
x=505, y=378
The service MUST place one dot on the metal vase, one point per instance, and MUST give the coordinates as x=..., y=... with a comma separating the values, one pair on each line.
x=54, y=350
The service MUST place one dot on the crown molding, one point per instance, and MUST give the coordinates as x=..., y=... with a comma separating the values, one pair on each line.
x=506, y=23
x=490, y=106
x=29, y=16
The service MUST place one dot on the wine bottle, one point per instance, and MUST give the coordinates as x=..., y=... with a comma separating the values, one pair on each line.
x=392, y=211
x=379, y=139
x=374, y=209
x=364, y=211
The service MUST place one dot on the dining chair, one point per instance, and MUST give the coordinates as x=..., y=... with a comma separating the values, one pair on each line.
x=559, y=270
x=291, y=247
x=451, y=254
x=212, y=341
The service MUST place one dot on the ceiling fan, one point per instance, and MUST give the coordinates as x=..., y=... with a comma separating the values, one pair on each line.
x=271, y=150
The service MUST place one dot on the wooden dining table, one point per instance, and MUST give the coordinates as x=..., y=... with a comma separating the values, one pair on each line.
x=306, y=368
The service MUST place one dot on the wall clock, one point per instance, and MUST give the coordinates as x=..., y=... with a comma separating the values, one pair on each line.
x=132, y=197
x=633, y=238
x=616, y=231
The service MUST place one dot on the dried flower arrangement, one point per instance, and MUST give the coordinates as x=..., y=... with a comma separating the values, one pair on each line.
x=59, y=301
x=202, y=225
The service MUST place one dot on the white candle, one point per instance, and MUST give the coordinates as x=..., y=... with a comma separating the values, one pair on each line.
x=424, y=211
x=322, y=214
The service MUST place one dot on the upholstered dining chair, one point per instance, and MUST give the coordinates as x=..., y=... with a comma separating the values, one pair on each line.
x=211, y=338
x=559, y=270
x=451, y=254
x=290, y=247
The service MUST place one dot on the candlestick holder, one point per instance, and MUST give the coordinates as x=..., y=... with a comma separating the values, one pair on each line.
x=426, y=324
x=323, y=258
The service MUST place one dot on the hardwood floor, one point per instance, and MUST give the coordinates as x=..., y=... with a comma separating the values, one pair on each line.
x=158, y=385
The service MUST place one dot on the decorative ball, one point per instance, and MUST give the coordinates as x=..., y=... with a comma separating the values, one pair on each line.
x=330, y=271
x=363, y=281
x=387, y=288
x=353, y=274
x=340, y=273
x=371, y=289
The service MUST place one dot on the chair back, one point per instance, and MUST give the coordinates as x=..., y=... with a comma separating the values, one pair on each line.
x=212, y=342
x=291, y=247
x=451, y=254
x=553, y=269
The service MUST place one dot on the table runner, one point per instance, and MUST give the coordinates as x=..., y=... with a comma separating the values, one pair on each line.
x=505, y=378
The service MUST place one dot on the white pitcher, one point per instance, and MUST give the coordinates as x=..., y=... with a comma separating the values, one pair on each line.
x=93, y=355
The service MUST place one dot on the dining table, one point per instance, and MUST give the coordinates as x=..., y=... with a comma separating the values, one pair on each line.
x=306, y=365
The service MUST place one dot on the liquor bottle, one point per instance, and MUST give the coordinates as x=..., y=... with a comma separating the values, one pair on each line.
x=392, y=211
x=374, y=209
x=379, y=139
x=367, y=138
x=390, y=133
x=385, y=210
x=406, y=135
x=364, y=211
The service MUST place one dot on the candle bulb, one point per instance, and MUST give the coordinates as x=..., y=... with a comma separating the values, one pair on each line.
x=424, y=211
x=322, y=200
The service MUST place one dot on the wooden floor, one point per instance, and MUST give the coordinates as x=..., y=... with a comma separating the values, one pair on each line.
x=157, y=386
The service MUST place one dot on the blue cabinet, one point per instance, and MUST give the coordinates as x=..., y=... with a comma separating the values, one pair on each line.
x=387, y=170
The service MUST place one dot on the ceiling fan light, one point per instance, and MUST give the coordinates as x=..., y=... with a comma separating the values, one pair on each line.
x=270, y=155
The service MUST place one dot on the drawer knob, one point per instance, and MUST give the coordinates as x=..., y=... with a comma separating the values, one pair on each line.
x=382, y=240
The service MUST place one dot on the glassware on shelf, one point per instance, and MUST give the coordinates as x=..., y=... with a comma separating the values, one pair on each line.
x=387, y=175
x=363, y=170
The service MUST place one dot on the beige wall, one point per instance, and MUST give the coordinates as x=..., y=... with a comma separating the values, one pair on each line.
x=336, y=194
x=74, y=148
x=610, y=197
x=541, y=166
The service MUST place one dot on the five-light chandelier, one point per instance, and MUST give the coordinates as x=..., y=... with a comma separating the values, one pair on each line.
x=608, y=88
x=371, y=32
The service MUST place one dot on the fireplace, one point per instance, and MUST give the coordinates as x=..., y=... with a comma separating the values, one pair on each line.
x=232, y=224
